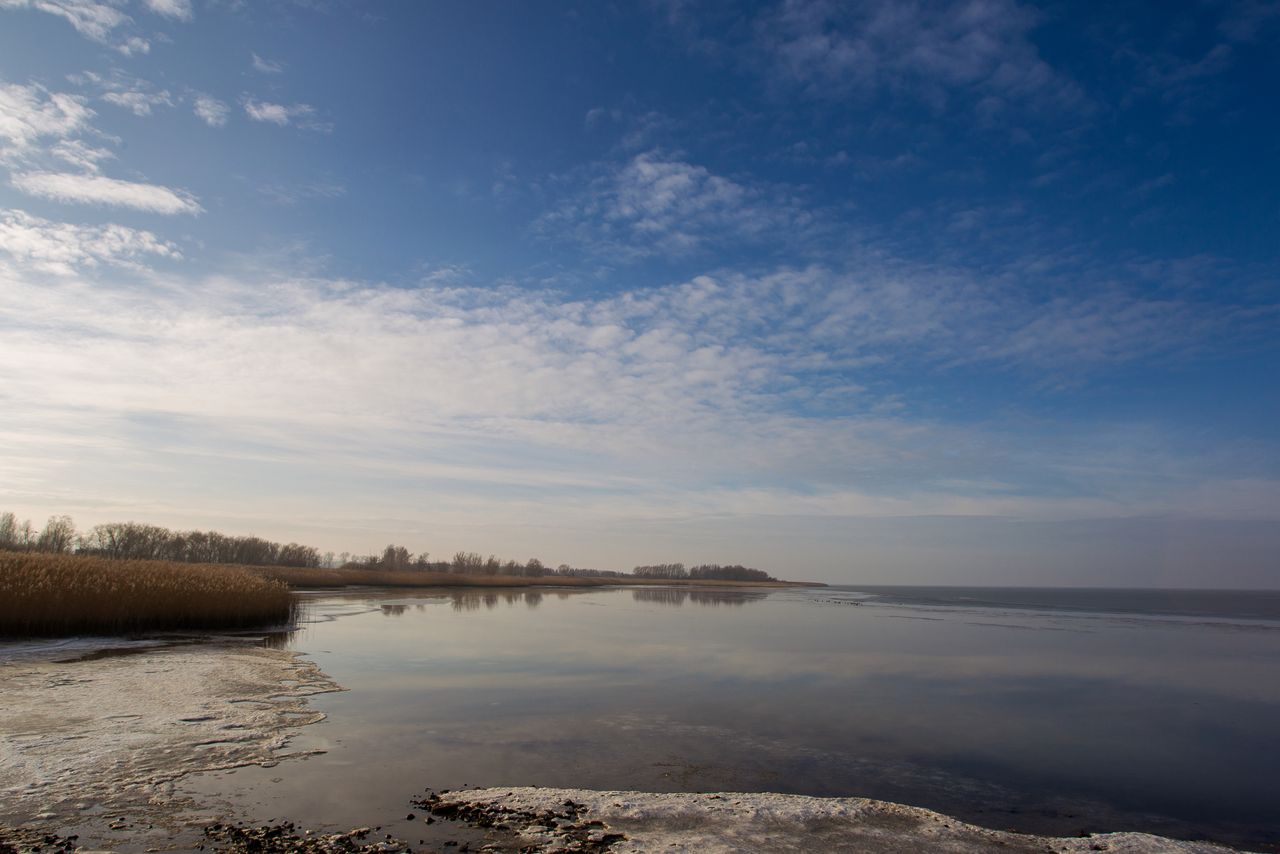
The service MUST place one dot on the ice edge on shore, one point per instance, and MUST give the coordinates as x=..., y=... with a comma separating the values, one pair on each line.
x=724, y=822
x=116, y=732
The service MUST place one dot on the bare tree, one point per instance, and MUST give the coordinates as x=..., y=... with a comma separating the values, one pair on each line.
x=661, y=570
x=8, y=531
x=396, y=557
x=58, y=535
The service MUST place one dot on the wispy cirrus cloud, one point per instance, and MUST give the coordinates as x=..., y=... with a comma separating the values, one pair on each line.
x=81, y=154
x=266, y=66
x=139, y=103
x=301, y=115
x=656, y=203
x=101, y=190
x=102, y=22
x=124, y=90
x=724, y=401
x=64, y=248
x=31, y=113
x=179, y=10
x=764, y=378
x=32, y=117
x=211, y=111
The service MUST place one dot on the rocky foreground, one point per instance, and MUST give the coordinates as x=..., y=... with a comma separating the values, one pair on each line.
x=578, y=820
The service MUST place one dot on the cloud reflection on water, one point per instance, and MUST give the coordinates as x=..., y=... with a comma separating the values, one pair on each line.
x=626, y=688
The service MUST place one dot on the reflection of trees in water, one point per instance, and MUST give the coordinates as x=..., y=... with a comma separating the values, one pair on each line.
x=278, y=640
x=472, y=600
x=711, y=598
x=300, y=612
x=397, y=608
x=661, y=596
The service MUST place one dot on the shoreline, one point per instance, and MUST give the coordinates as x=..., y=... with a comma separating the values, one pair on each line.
x=319, y=578
x=533, y=820
x=626, y=822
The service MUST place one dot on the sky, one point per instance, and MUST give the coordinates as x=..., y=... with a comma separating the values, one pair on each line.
x=980, y=292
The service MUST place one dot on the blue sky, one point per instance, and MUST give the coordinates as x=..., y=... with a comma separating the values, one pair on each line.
x=977, y=292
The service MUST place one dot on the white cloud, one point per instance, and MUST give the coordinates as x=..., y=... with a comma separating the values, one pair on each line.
x=723, y=401
x=62, y=248
x=266, y=66
x=93, y=20
x=301, y=115
x=264, y=111
x=124, y=90
x=659, y=204
x=177, y=9
x=750, y=379
x=81, y=154
x=100, y=190
x=211, y=111
x=139, y=103
x=31, y=113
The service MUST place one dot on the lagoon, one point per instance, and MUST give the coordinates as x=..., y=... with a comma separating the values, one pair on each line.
x=1039, y=711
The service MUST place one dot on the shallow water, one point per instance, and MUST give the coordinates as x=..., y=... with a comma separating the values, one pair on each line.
x=1034, y=714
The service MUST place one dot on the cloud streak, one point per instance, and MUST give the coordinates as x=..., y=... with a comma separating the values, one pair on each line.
x=211, y=111
x=266, y=66
x=123, y=90
x=283, y=115
x=755, y=383
x=100, y=190
x=63, y=249
x=93, y=20
x=29, y=114
x=658, y=204
x=179, y=10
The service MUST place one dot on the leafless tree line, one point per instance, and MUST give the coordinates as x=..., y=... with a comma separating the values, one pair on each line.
x=141, y=541
x=58, y=535
x=398, y=558
x=709, y=571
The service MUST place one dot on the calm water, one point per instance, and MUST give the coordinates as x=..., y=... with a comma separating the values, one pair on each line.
x=1046, y=711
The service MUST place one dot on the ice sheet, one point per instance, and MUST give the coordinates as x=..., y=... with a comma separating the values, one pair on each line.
x=111, y=733
x=729, y=822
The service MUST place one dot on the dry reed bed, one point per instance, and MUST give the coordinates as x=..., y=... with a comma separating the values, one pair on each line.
x=50, y=594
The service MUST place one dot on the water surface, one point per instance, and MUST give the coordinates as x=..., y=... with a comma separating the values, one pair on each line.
x=1050, y=712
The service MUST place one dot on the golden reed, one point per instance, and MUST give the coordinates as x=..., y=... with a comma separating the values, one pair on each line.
x=58, y=594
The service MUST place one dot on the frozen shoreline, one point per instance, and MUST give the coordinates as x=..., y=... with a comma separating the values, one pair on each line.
x=110, y=735
x=722, y=823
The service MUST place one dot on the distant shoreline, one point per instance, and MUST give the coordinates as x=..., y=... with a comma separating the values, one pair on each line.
x=302, y=578
x=60, y=595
